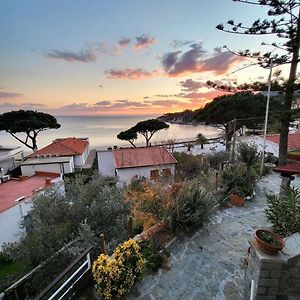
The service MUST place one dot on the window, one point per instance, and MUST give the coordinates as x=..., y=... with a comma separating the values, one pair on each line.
x=154, y=174
x=166, y=172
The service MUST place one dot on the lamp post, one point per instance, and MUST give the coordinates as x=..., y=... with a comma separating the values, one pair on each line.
x=266, y=117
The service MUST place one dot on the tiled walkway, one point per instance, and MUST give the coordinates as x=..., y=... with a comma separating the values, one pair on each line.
x=209, y=265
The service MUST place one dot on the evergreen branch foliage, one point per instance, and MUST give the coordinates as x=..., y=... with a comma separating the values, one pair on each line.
x=283, y=211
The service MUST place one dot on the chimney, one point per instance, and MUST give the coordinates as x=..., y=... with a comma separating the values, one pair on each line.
x=47, y=182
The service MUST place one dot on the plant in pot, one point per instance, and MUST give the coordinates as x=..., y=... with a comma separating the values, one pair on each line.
x=236, y=184
x=268, y=241
x=240, y=193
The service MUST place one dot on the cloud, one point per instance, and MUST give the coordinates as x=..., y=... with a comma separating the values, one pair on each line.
x=123, y=42
x=195, y=60
x=89, y=54
x=143, y=41
x=31, y=104
x=167, y=103
x=103, y=103
x=6, y=95
x=176, y=63
x=8, y=106
x=132, y=74
x=179, y=43
x=190, y=85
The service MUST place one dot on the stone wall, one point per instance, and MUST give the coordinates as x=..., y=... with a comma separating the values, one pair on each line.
x=265, y=271
x=274, y=276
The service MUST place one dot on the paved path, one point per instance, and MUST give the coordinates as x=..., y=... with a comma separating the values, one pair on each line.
x=209, y=265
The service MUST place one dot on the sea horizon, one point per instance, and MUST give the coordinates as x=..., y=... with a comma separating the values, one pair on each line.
x=102, y=131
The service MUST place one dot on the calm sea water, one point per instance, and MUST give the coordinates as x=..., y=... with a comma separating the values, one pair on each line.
x=102, y=131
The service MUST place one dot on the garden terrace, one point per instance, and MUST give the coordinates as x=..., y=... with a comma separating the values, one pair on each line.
x=211, y=263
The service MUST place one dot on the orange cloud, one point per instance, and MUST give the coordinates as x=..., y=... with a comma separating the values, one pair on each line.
x=132, y=74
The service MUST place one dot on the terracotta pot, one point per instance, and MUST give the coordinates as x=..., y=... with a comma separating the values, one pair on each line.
x=266, y=246
x=237, y=200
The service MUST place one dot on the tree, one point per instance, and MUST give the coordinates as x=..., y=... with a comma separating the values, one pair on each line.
x=128, y=135
x=149, y=127
x=29, y=122
x=146, y=128
x=201, y=140
x=285, y=24
x=235, y=111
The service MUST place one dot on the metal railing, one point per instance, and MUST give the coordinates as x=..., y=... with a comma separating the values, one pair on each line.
x=51, y=292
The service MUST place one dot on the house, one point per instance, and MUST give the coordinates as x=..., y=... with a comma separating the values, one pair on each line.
x=272, y=142
x=77, y=148
x=127, y=163
x=8, y=157
x=16, y=203
x=60, y=165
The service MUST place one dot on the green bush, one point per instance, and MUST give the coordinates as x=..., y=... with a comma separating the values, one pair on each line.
x=192, y=207
x=154, y=260
x=189, y=166
x=283, y=211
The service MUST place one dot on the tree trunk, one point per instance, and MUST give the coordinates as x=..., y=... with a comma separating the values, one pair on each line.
x=228, y=136
x=285, y=117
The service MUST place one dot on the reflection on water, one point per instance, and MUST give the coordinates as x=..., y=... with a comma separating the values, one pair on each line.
x=102, y=131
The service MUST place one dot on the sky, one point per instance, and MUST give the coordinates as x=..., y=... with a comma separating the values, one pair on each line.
x=125, y=57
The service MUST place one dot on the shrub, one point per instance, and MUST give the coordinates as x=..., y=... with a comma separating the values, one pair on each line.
x=189, y=166
x=115, y=276
x=150, y=203
x=150, y=251
x=192, y=206
x=283, y=211
x=215, y=159
x=247, y=154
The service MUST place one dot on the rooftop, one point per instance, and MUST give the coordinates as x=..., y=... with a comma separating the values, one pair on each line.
x=47, y=160
x=63, y=147
x=142, y=157
x=293, y=140
x=14, y=189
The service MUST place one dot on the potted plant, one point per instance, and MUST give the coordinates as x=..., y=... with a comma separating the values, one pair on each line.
x=237, y=185
x=269, y=241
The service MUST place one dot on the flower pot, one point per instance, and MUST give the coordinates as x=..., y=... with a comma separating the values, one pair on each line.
x=237, y=200
x=268, y=241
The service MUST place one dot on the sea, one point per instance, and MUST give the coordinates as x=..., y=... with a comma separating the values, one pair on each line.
x=102, y=131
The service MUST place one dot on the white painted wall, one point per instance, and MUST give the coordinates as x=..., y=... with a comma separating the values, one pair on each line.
x=125, y=175
x=85, y=154
x=66, y=167
x=10, y=219
x=106, y=163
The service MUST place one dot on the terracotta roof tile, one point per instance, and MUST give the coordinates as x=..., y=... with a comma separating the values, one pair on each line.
x=293, y=140
x=63, y=147
x=141, y=157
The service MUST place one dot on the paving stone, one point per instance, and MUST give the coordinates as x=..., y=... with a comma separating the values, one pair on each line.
x=208, y=265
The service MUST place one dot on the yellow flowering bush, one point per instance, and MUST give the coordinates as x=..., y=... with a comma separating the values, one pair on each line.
x=115, y=276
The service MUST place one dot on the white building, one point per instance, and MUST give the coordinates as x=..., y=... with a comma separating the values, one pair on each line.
x=8, y=157
x=60, y=165
x=149, y=162
x=78, y=148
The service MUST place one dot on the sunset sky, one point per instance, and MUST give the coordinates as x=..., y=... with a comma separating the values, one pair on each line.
x=113, y=57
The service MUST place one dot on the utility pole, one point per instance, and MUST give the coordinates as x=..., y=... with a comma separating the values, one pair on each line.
x=266, y=118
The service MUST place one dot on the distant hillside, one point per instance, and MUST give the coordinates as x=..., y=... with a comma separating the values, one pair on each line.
x=184, y=117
